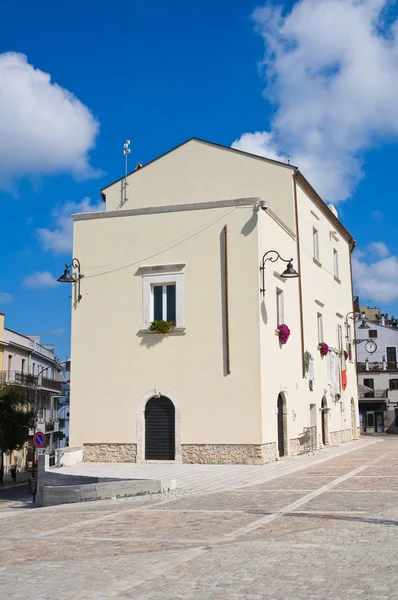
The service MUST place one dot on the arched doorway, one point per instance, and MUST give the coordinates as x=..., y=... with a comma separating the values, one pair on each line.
x=325, y=427
x=159, y=429
x=282, y=426
x=354, y=420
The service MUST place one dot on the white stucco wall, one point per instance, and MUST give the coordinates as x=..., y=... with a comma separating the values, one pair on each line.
x=323, y=294
x=199, y=172
x=115, y=364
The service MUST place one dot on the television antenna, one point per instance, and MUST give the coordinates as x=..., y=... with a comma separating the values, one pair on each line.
x=126, y=152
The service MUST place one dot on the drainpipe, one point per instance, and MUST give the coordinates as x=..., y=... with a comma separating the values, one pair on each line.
x=300, y=279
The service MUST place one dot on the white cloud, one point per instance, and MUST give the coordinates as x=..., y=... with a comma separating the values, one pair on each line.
x=57, y=332
x=378, y=250
x=377, y=215
x=375, y=274
x=261, y=143
x=332, y=73
x=40, y=279
x=5, y=297
x=59, y=239
x=44, y=128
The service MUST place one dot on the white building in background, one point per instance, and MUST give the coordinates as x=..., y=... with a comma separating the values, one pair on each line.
x=29, y=363
x=180, y=246
x=377, y=343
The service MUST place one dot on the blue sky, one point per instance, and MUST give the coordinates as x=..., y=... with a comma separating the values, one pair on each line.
x=159, y=73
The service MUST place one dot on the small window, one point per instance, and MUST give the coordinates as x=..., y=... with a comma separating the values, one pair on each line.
x=163, y=299
x=279, y=307
x=370, y=383
x=164, y=302
x=336, y=263
x=339, y=337
x=320, y=328
x=315, y=243
x=372, y=333
x=23, y=365
x=393, y=384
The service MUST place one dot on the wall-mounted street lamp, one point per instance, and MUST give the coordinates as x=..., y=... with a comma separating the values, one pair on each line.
x=273, y=256
x=363, y=325
x=68, y=277
x=353, y=315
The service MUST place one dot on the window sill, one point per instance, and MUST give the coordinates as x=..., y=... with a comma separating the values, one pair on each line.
x=337, y=279
x=175, y=331
x=318, y=264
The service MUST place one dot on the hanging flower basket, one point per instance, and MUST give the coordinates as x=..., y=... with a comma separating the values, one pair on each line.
x=324, y=349
x=283, y=332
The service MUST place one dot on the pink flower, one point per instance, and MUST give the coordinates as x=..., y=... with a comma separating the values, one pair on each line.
x=284, y=333
x=324, y=349
x=345, y=354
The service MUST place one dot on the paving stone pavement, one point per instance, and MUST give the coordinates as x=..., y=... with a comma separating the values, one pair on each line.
x=319, y=527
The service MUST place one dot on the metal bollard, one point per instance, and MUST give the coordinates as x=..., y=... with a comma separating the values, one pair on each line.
x=32, y=483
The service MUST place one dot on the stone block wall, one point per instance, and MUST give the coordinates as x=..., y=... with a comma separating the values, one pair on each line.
x=109, y=452
x=296, y=446
x=340, y=437
x=243, y=454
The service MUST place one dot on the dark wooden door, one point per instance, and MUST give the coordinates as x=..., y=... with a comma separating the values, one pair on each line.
x=281, y=431
x=391, y=357
x=159, y=429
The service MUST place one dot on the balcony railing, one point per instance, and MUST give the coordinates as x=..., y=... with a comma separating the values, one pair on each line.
x=51, y=384
x=18, y=377
x=376, y=394
x=31, y=380
x=377, y=366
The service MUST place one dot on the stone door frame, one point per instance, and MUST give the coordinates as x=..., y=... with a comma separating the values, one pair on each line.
x=140, y=423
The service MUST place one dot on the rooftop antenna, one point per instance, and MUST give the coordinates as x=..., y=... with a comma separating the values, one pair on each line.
x=126, y=152
x=288, y=159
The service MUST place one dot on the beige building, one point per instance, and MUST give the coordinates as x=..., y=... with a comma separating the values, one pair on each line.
x=181, y=244
x=27, y=362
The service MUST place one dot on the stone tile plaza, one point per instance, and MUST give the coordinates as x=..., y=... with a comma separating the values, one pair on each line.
x=320, y=526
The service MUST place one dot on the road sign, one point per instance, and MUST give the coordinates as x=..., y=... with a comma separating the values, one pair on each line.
x=39, y=439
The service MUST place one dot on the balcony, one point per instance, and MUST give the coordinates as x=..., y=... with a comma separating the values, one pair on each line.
x=50, y=384
x=377, y=366
x=373, y=394
x=27, y=379
x=48, y=426
x=18, y=377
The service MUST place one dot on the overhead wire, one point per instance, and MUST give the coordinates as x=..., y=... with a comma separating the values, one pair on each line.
x=160, y=249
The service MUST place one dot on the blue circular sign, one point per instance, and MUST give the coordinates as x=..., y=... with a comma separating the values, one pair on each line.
x=39, y=439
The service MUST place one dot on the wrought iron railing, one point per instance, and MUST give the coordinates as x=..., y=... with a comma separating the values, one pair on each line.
x=377, y=366
x=18, y=377
x=376, y=394
x=52, y=384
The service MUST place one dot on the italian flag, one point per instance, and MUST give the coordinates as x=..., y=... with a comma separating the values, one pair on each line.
x=343, y=368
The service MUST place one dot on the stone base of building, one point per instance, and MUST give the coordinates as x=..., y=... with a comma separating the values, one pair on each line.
x=217, y=454
x=109, y=452
x=340, y=437
x=296, y=446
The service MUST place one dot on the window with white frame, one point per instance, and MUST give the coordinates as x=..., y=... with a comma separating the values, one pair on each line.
x=320, y=328
x=163, y=298
x=339, y=337
x=164, y=302
x=279, y=307
x=315, y=240
x=336, y=263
